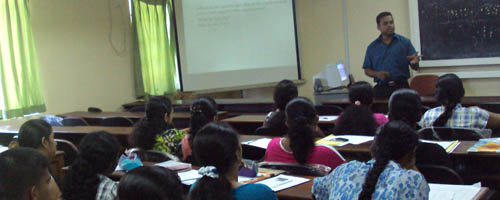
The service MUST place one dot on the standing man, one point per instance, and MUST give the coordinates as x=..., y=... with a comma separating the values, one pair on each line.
x=387, y=58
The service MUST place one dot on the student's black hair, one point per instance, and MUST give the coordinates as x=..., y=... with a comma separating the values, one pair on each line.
x=284, y=92
x=152, y=183
x=153, y=123
x=449, y=92
x=203, y=110
x=300, y=116
x=20, y=169
x=393, y=141
x=405, y=105
x=98, y=153
x=356, y=120
x=361, y=91
x=217, y=145
x=382, y=15
x=32, y=132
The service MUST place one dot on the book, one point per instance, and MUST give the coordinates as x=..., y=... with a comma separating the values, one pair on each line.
x=449, y=146
x=489, y=145
x=282, y=182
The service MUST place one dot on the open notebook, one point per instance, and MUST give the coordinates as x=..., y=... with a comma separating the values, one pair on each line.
x=452, y=192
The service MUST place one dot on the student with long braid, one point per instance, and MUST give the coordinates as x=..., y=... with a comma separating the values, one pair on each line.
x=156, y=131
x=218, y=149
x=391, y=174
x=405, y=105
x=449, y=92
x=203, y=111
x=86, y=178
x=299, y=144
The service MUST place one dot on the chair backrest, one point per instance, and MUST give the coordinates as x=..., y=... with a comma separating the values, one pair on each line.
x=440, y=174
x=138, y=109
x=117, y=121
x=252, y=152
x=425, y=85
x=266, y=131
x=70, y=150
x=297, y=169
x=94, y=110
x=329, y=109
x=74, y=121
x=447, y=133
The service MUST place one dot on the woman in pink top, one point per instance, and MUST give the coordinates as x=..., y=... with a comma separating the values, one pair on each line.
x=299, y=145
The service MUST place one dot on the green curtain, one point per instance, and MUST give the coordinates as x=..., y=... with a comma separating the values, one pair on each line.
x=20, y=91
x=155, y=48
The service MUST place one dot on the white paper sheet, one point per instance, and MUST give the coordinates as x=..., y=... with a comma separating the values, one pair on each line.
x=189, y=177
x=282, y=182
x=3, y=148
x=261, y=142
x=328, y=118
x=174, y=165
x=452, y=192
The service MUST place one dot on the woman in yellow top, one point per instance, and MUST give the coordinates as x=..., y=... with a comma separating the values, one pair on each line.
x=155, y=131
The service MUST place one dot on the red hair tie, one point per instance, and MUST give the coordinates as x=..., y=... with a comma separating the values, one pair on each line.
x=357, y=103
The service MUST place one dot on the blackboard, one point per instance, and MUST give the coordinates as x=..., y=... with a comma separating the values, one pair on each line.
x=459, y=29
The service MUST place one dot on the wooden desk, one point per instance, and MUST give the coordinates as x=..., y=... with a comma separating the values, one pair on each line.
x=490, y=103
x=73, y=133
x=233, y=106
x=248, y=123
x=181, y=119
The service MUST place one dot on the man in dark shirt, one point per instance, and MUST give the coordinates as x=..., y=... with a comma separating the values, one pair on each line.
x=387, y=58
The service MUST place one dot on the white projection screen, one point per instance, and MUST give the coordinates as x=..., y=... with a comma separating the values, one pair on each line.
x=235, y=43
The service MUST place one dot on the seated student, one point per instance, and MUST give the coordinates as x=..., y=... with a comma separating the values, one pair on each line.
x=203, y=111
x=299, y=144
x=356, y=118
x=284, y=91
x=24, y=174
x=155, y=131
x=152, y=183
x=86, y=177
x=449, y=92
x=405, y=105
x=218, y=150
x=37, y=134
x=391, y=174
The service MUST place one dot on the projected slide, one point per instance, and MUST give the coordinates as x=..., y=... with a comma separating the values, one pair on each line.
x=227, y=35
x=238, y=36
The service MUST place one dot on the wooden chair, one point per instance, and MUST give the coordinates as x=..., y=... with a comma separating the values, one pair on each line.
x=425, y=85
x=440, y=174
x=117, y=121
x=252, y=152
x=74, y=121
x=297, y=169
x=70, y=150
x=447, y=133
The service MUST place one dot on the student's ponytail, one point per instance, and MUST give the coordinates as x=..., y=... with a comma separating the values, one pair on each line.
x=203, y=110
x=216, y=147
x=394, y=140
x=152, y=124
x=98, y=152
x=449, y=92
x=300, y=118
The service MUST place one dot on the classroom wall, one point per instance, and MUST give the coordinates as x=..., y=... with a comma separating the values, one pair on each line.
x=78, y=66
x=321, y=40
x=362, y=31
